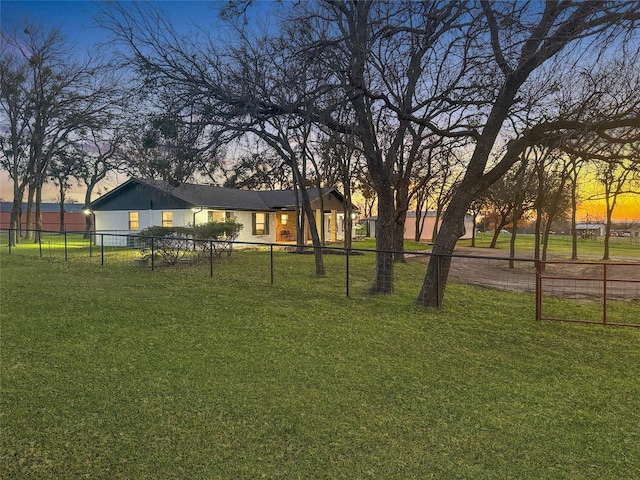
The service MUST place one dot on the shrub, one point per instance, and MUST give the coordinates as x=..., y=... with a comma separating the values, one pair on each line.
x=171, y=244
x=217, y=230
x=221, y=236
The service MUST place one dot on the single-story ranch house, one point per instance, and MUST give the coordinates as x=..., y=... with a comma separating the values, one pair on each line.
x=266, y=216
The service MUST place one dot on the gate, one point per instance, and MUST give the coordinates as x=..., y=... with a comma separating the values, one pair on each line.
x=585, y=282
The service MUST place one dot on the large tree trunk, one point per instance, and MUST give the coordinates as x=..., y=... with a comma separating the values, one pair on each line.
x=28, y=227
x=401, y=207
x=496, y=231
x=545, y=236
x=419, y=224
x=306, y=207
x=62, y=223
x=15, y=220
x=385, y=228
x=452, y=228
x=436, y=223
x=398, y=235
x=38, y=230
x=300, y=233
x=88, y=219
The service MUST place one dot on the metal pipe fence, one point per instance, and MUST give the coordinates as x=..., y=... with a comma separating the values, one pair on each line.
x=348, y=269
x=598, y=283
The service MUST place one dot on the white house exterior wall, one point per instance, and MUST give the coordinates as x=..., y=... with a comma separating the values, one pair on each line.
x=117, y=223
x=429, y=222
x=427, y=231
x=246, y=234
x=339, y=226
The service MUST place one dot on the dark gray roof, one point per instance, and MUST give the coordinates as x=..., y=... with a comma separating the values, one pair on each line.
x=286, y=198
x=210, y=196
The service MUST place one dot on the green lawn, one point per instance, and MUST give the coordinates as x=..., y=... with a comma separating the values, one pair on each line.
x=619, y=246
x=120, y=372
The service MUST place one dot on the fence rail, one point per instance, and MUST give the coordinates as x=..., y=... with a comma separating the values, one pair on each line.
x=594, y=282
x=601, y=280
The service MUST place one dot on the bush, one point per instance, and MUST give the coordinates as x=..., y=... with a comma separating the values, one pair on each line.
x=221, y=236
x=217, y=230
x=172, y=243
x=168, y=245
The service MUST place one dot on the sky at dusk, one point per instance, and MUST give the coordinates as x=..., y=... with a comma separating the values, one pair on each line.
x=76, y=20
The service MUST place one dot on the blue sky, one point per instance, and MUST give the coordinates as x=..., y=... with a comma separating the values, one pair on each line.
x=75, y=18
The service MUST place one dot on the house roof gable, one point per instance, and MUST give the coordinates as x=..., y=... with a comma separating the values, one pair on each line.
x=140, y=194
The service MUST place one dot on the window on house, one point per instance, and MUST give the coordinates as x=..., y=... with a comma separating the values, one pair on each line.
x=284, y=219
x=134, y=223
x=167, y=219
x=219, y=216
x=215, y=216
x=260, y=223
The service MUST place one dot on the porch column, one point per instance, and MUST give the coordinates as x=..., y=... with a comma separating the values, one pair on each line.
x=334, y=226
x=319, y=222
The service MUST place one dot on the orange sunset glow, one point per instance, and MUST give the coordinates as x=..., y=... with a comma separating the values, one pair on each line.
x=627, y=209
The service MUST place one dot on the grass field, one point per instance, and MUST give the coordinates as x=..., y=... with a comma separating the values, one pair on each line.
x=121, y=372
x=620, y=247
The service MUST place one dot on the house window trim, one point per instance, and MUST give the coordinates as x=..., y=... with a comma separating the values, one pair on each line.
x=168, y=222
x=227, y=216
x=134, y=225
x=254, y=223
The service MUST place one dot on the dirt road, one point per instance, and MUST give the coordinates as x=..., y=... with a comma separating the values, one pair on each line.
x=584, y=279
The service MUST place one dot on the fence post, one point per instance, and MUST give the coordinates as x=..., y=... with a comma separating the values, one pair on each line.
x=40, y=246
x=347, y=272
x=211, y=258
x=271, y=259
x=90, y=245
x=153, y=256
x=66, y=253
x=10, y=237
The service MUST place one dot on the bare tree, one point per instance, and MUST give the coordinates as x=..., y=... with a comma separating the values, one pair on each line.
x=378, y=53
x=248, y=88
x=15, y=153
x=341, y=159
x=523, y=38
x=99, y=152
x=259, y=170
x=575, y=164
x=58, y=97
x=616, y=177
x=453, y=69
x=64, y=169
x=551, y=174
x=521, y=201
